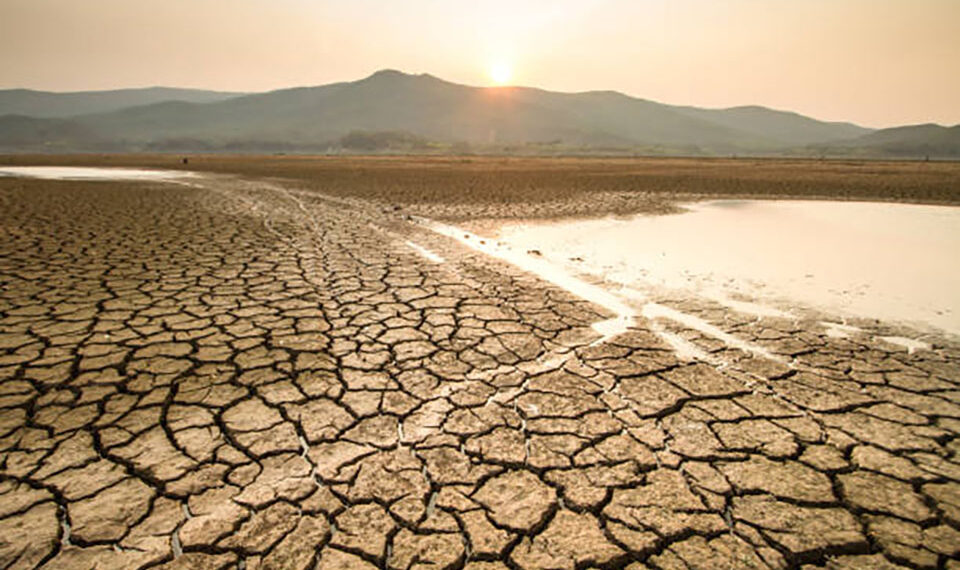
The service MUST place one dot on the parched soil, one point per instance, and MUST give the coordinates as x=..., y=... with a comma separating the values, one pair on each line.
x=252, y=372
x=471, y=188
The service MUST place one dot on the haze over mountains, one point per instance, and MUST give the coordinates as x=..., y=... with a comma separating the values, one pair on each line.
x=46, y=104
x=392, y=111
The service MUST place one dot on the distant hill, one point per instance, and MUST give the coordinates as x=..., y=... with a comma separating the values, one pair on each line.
x=18, y=132
x=395, y=111
x=914, y=141
x=784, y=127
x=46, y=104
x=428, y=107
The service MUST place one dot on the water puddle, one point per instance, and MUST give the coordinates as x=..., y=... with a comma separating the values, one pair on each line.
x=426, y=253
x=91, y=173
x=839, y=330
x=893, y=262
x=683, y=348
x=912, y=345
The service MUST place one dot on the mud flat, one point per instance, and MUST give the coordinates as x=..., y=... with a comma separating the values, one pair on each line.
x=252, y=370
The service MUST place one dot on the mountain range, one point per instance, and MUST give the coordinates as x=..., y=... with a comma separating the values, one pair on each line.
x=391, y=111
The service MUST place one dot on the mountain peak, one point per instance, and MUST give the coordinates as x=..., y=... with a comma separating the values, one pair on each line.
x=396, y=75
x=388, y=74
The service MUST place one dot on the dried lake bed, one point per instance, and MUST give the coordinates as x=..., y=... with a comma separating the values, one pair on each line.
x=247, y=371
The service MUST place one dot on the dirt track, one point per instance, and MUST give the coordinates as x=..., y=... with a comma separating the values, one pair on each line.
x=199, y=376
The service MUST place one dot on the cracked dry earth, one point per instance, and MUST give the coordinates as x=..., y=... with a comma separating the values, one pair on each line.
x=231, y=374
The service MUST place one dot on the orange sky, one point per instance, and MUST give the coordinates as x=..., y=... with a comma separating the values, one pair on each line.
x=874, y=62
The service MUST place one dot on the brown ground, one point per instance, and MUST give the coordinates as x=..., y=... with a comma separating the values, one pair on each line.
x=467, y=188
x=192, y=377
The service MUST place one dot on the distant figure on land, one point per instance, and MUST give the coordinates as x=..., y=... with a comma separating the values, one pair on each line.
x=185, y=160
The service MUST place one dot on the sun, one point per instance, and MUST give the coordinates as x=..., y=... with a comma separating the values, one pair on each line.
x=500, y=73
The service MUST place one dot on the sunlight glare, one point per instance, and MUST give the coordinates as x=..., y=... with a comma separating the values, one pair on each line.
x=500, y=73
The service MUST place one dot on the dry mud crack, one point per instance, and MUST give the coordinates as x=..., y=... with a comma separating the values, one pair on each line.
x=236, y=374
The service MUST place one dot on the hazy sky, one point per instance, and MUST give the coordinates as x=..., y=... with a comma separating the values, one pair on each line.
x=875, y=62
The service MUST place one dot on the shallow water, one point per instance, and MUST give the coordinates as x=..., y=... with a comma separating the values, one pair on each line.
x=91, y=173
x=894, y=262
x=426, y=253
